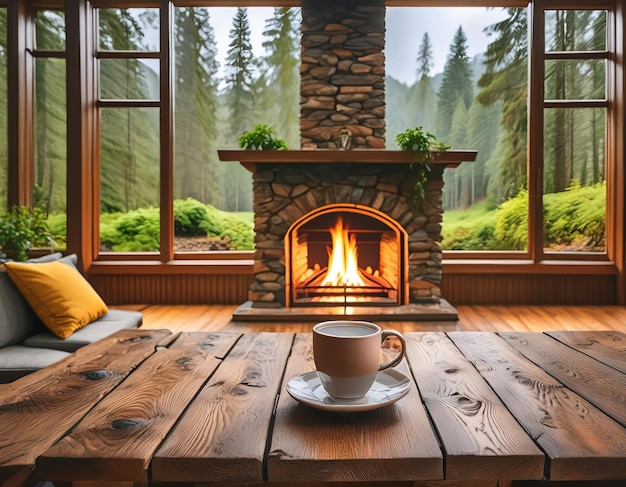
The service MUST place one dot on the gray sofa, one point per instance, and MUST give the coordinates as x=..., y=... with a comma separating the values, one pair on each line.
x=27, y=345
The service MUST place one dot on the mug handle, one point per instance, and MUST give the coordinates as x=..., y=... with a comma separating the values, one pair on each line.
x=392, y=363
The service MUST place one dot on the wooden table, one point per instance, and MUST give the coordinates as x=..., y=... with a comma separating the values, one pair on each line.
x=151, y=407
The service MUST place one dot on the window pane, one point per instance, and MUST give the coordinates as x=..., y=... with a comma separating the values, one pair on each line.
x=50, y=191
x=575, y=79
x=470, y=91
x=50, y=30
x=129, y=179
x=575, y=30
x=574, y=179
x=123, y=29
x=131, y=79
x=3, y=111
x=215, y=104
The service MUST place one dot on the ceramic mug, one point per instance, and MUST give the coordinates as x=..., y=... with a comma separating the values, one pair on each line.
x=347, y=356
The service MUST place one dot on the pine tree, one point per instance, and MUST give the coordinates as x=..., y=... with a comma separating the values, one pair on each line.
x=456, y=84
x=421, y=107
x=575, y=136
x=598, y=42
x=482, y=135
x=129, y=161
x=241, y=95
x=283, y=67
x=197, y=172
x=240, y=74
x=505, y=80
x=424, y=58
x=50, y=161
x=457, y=181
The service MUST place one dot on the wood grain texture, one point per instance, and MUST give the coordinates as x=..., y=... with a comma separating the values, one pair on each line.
x=331, y=156
x=472, y=318
x=480, y=437
x=598, y=383
x=580, y=441
x=116, y=440
x=223, y=434
x=608, y=348
x=310, y=445
x=53, y=399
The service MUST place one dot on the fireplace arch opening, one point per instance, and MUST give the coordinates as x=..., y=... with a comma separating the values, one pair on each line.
x=346, y=254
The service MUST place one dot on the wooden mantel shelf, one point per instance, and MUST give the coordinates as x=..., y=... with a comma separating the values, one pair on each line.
x=250, y=158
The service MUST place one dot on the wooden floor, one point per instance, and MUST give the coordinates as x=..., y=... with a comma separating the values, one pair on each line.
x=472, y=318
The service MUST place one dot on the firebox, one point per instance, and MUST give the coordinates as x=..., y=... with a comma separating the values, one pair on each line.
x=346, y=254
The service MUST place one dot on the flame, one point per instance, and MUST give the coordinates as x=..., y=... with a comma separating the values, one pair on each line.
x=343, y=269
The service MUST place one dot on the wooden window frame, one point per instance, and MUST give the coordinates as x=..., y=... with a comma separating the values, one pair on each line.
x=82, y=127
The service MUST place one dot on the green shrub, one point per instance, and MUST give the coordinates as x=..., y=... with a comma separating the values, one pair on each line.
x=22, y=228
x=575, y=217
x=192, y=218
x=478, y=237
x=470, y=228
x=572, y=218
x=239, y=232
x=135, y=231
x=512, y=222
x=138, y=230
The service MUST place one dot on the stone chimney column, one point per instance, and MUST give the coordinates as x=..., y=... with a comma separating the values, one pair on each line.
x=343, y=74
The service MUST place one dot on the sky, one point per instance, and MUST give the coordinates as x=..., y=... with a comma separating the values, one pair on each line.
x=405, y=29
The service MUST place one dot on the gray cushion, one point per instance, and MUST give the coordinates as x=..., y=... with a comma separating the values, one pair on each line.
x=114, y=320
x=18, y=361
x=46, y=258
x=71, y=259
x=17, y=320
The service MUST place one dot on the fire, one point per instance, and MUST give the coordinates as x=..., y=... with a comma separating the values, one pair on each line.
x=343, y=269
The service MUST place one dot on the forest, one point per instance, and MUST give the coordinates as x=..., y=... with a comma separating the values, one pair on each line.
x=477, y=103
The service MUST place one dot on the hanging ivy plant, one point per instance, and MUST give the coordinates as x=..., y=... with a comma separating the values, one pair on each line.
x=422, y=144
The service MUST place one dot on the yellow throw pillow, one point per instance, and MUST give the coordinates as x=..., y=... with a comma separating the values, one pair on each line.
x=59, y=295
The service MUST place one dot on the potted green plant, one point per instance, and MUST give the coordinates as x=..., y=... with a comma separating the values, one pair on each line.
x=422, y=144
x=21, y=229
x=261, y=137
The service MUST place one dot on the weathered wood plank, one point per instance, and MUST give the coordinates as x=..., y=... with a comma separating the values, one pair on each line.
x=600, y=384
x=480, y=437
x=608, y=347
x=223, y=434
x=395, y=442
x=116, y=440
x=37, y=410
x=581, y=442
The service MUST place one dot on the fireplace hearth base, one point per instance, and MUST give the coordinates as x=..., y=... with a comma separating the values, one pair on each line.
x=443, y=313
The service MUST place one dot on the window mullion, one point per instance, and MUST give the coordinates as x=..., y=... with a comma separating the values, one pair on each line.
x=535, y=132
x=20, y=70
x=166, y=14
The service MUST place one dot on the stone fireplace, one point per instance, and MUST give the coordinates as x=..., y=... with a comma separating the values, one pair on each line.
x=299, y=198
x=304, y=198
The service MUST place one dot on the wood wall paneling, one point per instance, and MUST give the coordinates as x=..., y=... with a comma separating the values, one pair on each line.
x=458, y=289
x=529, y=289
x=172, y=289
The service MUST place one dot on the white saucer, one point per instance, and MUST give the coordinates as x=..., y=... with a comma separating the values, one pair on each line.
x=389, y=386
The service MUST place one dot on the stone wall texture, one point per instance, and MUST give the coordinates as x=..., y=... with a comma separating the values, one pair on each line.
x=343, y=74
x=285, y=192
